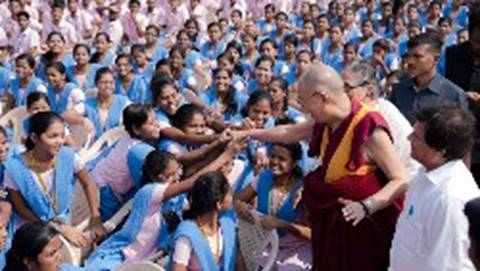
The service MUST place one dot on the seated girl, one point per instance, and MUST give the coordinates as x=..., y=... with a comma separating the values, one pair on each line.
x=278, y=194
x=145, y=230
x=118, y=172
x=190, y=119
x=5, y=207
x=41, y=181
x=278, y=89
x=38, y=102
x=262, y=74
x=83, y=72
x=37, y=247
x=206, y=240
x=128, y=83
x=167, y=100
x=221, y=100
x=104, y=55
x=64, y=97
x=24, y=82
x=105, y=110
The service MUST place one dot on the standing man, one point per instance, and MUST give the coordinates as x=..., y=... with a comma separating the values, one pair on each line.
x=426, y=87
x=463, y=68
x=360, y=175
x=432, y=231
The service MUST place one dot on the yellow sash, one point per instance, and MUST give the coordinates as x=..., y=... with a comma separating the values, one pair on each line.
x=337, y=167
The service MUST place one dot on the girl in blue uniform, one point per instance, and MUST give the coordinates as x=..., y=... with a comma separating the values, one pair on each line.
x=103, y=55
x=57, y=52
x=64, y=97
x=206, y=240
x=278, y=89
x=221, y=99
x=25, y=81
x=82, y=73
x=155, y=51
x=41, y=181
x=37, y=247
x=5, y=207
x=167, y=101
x=128, y=83
x=117, y=173
x=278, y=194
x=105, y=110
x=146, y=230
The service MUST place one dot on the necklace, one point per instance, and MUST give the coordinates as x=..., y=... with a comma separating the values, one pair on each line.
x=38, y=170
x=217, y=252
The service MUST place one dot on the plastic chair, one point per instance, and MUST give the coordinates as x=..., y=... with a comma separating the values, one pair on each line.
x=254, y=241
x=156, y=262
x=108, y=138
x=14, y=118
x=143, y=265
x=74, y=255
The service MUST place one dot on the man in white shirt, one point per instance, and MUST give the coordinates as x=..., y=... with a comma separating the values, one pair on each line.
x=113, y=25
x=28, y=40
x=81, y=19
x=432, y=230
x=57, y=23
x=134, y=22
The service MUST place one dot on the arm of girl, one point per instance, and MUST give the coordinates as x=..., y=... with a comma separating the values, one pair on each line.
x=242, y=200
x=5, y=211
x=230, y=152
x=182, y=138
x=271, y=222
x=193, y=157
x=21, y=207
x=92, y=197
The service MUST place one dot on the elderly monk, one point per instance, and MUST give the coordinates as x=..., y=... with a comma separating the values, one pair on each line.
x=352, y=197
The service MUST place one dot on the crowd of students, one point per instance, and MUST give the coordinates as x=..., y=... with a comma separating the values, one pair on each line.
x=187, y=80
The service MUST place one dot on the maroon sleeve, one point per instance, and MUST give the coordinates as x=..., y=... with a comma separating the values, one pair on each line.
x=363, y=133
x=316, y=140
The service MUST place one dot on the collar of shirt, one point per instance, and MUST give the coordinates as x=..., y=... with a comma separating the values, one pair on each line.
x=434, y=86
x=443, y=172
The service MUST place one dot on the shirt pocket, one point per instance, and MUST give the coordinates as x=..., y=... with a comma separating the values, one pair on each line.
x=413, y=236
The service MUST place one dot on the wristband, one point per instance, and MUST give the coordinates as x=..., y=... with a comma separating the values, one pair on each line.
x=365, y=208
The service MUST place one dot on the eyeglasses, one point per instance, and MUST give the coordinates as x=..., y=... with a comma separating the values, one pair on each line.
x=302, y=102
x=347, y=87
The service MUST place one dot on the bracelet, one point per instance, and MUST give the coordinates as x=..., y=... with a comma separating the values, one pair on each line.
x=365, y=208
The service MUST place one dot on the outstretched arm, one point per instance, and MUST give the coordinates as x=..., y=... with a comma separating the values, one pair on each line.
x=282, y=133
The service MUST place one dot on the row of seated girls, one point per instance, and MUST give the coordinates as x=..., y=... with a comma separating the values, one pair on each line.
x=189, y=180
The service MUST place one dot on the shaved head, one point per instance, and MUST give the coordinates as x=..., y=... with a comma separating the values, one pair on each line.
x=320, y=77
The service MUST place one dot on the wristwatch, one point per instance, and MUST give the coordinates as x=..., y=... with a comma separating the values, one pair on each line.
x=368, y=203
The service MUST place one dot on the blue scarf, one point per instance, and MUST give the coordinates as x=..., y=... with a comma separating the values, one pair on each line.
x=264, y=190
x=21, y=99
x=60, y=106
x=201, y=248
x=64, y=183
x=113, y=117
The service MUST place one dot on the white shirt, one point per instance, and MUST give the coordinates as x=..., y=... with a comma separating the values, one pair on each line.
x=130, y=26
x=114, y=29
x=400, y=129
x=26, y=40
x=82, y=21
x=65, y=28
x=432, y=230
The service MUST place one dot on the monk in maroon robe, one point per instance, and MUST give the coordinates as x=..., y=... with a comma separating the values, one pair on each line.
x=353, y=196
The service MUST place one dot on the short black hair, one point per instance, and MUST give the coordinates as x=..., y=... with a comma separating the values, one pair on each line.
x=430, y=38
x=448, y=128
x=23, y=14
